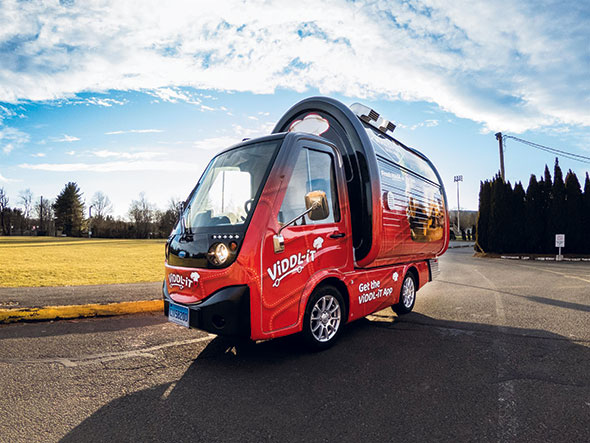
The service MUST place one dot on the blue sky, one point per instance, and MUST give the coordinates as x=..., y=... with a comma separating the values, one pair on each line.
x=130, y=97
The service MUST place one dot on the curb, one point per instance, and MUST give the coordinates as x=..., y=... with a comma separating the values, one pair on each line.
x=552, y=258
x=460, y=246
x=79, y=311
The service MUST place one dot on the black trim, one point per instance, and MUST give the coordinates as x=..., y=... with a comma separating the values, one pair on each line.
x=225, y=312
x=198, y=258
x=358, y=155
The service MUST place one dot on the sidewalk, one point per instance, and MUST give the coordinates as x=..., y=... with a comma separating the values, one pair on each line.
x=48, y=303
x=461, y=244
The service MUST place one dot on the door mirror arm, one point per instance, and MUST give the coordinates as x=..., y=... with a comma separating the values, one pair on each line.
x=278, y=240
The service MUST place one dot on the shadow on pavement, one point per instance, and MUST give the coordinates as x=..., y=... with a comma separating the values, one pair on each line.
x=416, y=379
x=535, y=298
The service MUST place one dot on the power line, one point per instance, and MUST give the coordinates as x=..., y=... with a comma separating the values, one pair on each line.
x=559, y=152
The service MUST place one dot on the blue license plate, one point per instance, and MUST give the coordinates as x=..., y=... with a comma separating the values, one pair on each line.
x=178, y=314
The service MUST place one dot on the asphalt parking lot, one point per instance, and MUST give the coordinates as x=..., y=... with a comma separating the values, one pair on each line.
x=495, y=350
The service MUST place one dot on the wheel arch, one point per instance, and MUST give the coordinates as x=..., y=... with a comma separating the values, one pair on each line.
x=341, y=286
x=412, y=270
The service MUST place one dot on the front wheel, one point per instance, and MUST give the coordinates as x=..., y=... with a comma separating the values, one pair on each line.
x=324, y=317
x=407, y=296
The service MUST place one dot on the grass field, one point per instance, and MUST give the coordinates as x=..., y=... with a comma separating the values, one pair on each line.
x=52, y=261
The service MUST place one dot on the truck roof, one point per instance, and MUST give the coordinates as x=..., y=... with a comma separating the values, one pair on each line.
x=363, y=137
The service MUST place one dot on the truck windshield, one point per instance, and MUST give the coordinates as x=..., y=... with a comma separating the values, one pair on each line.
x=227, y=191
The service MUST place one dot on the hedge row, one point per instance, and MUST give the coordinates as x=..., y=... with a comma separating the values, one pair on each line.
x=512, y=220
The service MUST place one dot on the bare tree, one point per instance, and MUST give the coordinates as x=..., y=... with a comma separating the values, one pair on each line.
x=26, y=200
x=44, y=213
x=176, y=204
x=102, y=205
x=4, y=213
x=141, y=213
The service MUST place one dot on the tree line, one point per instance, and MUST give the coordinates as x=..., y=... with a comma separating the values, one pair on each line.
x=512, y=220
x=65, y=215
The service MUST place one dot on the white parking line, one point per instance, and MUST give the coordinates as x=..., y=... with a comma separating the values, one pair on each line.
x=507, y=421
x=563, y=274
x=91, y=359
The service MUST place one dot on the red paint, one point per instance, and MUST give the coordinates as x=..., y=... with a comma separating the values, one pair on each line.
x=281, y=283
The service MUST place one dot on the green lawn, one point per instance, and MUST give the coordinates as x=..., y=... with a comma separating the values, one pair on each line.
x=59, y=261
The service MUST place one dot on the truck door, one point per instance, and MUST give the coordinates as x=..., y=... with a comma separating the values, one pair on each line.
x=309, y=245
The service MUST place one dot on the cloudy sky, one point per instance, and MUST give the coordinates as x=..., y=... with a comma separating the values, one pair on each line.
x=129, y=97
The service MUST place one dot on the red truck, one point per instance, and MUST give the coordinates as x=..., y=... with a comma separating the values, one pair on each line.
x=323, y=222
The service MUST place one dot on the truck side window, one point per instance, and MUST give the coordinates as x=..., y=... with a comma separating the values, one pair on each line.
x=314, y=171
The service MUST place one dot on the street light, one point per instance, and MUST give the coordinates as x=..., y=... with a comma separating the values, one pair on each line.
x=458, y=178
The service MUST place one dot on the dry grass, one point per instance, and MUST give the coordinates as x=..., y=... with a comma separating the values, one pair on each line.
x=52, y=261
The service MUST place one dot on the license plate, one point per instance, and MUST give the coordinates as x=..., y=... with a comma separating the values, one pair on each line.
x=178, y=314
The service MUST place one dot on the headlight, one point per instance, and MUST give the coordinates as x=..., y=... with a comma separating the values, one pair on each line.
x=218, y=254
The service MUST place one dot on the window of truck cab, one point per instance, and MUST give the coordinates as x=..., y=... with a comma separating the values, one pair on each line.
x=228, y=191
x=313, y=171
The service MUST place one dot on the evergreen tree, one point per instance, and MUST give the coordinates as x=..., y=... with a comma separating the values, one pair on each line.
x=534, y=216
x=585, y=228
x=557, y=210
x=483, y=216
x=517, y=213
x=500, y=220
x=573, y=213
x=547, y=195
x=69, y=210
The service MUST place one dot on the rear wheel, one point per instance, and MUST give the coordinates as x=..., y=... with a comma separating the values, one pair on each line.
x=407, y=296
x=324, y=317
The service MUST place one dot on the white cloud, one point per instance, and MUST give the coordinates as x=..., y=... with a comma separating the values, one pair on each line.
x=6, y=113
x=174, y=95
x=65, y=139
x=146, y=155
x=115, y=166
x=216, y=143
x=107, y=102
x=430, y=123
x=12, y=138
x=237, y=134
x=510, y=65
x=71, y=152
x=7, y=180
x=38, y=154
x=135, y=131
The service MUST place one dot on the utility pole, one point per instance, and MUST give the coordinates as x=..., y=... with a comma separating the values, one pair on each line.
x=458, y=178
x=501, y=146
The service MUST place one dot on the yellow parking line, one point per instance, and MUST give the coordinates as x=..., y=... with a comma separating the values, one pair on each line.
x=78, y=311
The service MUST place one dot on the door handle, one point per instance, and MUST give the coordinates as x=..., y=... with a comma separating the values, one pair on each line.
x=337, y=235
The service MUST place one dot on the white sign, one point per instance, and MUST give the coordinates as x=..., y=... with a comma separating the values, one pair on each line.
x=560, y=240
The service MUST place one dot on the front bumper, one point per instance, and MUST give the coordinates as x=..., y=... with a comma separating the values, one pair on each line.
x=225, y=312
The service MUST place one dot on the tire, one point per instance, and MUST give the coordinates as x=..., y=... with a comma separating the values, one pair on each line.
x=324, y=317
x=407, y=295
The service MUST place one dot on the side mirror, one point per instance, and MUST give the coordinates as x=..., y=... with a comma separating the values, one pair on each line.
x=317, y=204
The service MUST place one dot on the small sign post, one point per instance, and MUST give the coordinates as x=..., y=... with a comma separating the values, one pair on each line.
x=559, y=243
